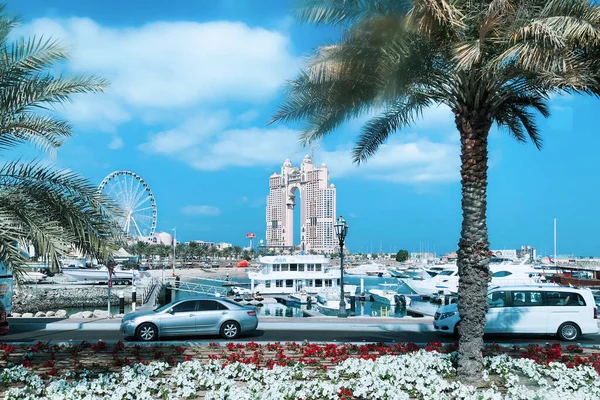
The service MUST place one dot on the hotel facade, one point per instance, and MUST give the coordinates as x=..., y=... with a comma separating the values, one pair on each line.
x=317, y=198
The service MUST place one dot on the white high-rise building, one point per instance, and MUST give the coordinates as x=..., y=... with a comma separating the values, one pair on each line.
x=317, y=207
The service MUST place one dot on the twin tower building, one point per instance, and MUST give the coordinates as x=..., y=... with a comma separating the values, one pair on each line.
x=308, y=187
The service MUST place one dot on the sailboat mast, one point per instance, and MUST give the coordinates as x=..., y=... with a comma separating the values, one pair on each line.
x=554, y=241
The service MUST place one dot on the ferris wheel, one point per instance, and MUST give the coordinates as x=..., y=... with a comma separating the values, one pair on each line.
x=133, y=195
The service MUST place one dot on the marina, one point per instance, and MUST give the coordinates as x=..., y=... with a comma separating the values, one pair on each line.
x=284, y=305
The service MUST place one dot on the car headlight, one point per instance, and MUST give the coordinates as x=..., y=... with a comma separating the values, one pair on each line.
x=447, y=314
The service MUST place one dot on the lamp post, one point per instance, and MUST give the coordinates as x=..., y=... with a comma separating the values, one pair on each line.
x=341, y=229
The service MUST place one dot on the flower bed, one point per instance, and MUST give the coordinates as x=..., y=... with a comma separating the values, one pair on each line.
x=291, y=371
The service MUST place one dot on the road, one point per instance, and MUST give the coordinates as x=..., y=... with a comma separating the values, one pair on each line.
x=272, y=333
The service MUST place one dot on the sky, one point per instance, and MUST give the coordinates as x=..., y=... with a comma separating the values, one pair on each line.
x=194, y=84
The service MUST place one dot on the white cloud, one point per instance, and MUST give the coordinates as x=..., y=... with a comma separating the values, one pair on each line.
x=116, y=143
x=400, y=162
x=191, y=133
x=169, y=65
x=204, y=146
x=248, y=116
x=168, y=72
x=406, y=159
x=209, y=211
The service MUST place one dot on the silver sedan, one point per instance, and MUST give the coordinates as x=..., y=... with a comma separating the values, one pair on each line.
x=209, y=316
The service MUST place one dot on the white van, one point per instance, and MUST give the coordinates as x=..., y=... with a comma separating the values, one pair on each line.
x=564, y=311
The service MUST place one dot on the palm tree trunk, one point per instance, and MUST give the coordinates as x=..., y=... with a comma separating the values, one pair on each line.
x=473, y=247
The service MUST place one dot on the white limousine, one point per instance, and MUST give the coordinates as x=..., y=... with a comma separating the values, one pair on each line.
x=563, y=311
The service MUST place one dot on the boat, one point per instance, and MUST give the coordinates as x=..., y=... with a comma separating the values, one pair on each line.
x=369, y=269
x=389, y=297
x=291, y=274
x=100, y=274
x=446, y=281
x=410, y=272
x=301, y=298
x=73, y=263
x=578, y=277
x=329, y=299
x=32, y=277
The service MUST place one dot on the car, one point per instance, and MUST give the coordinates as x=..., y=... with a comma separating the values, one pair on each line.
x=545, y=309
x=4, y=325
x=192, y=316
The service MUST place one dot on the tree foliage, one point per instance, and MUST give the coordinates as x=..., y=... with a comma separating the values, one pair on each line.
x=402, y=255
x=491, y=62
x=51, y=209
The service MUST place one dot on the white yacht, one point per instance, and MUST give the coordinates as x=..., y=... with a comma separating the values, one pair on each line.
x=33, y=277
x=446, y=281
x=294, y=274
x=329, y=298
x=390, y=297
x=101, y=274
x=369, y=269
x=410, y=271
x=301, y=298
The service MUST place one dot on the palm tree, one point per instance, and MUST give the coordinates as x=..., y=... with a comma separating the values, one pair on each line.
x=237, y=250
x=49, y=209
x=491, y=62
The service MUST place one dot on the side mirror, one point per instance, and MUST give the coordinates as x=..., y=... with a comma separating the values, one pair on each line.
x=170, y=311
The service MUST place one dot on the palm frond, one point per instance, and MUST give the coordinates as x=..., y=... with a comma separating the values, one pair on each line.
x=27, y=56
x=336, y=12
x=436, y=18
x=63, y=209
x=44, y=132
x=10, y=234
x=375, y=132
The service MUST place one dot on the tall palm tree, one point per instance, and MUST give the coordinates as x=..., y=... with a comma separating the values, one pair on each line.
x=52, y=210
x=491, y=62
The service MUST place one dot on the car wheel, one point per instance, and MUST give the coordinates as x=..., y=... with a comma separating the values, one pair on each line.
x=146, y=332
x=568, y=331
x=230, y=330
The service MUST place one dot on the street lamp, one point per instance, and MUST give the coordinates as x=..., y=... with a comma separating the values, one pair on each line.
x=341, y=229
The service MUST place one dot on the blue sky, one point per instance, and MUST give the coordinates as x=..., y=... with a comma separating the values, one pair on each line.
x=193, y=85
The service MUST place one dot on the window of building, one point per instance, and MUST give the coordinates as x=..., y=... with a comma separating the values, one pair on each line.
x=294, y=267
x=289, y=283
x=284, y=267
x=267, y=284
x=300, y=267
x=318, y=283
x=279, y=283
x=318, y=267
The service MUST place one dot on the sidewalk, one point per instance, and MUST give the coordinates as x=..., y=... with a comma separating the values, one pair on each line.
x=266, y=323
